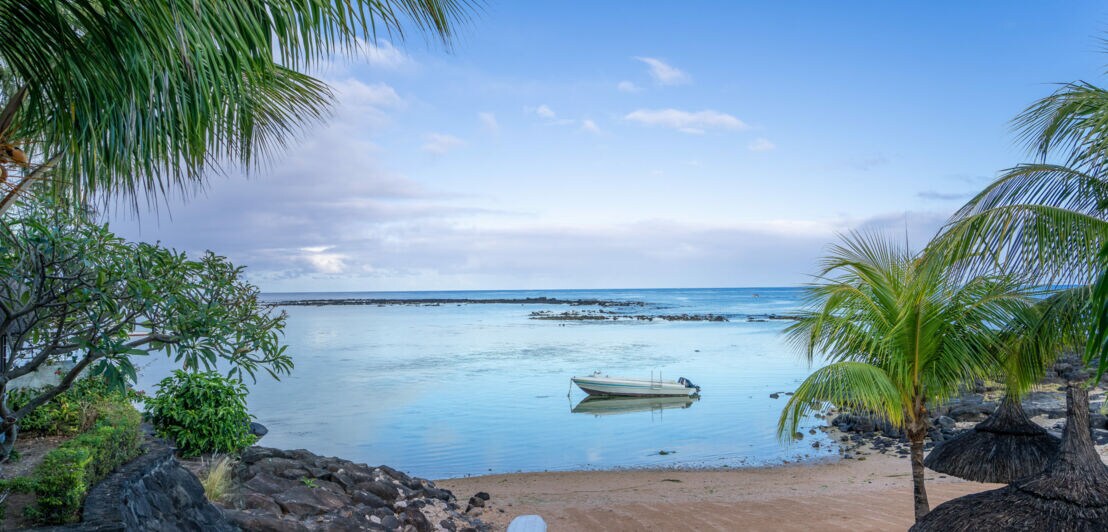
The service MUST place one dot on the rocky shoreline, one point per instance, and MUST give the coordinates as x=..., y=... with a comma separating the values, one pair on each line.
x=860, y=435
x=457, y=301
x=294, y=490
x=600, y=315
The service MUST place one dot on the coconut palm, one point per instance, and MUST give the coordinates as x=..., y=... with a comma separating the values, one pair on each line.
x=1008, y=446
x=1045, y=220
x=140, y=97
x=899, y=335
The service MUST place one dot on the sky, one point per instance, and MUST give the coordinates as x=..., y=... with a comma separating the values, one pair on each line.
x=639, y=145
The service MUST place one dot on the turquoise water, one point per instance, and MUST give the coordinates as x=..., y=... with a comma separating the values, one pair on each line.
x=456, y=390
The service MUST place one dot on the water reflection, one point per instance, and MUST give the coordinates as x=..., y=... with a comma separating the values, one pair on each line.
x=611, y=406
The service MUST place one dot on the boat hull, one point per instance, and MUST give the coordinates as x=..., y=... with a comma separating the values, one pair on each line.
x=607, y=386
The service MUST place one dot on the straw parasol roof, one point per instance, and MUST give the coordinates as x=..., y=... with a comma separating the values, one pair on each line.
x=1071, y=494
x=1004, y=448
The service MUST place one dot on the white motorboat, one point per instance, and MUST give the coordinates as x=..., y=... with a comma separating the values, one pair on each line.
x=597, y=384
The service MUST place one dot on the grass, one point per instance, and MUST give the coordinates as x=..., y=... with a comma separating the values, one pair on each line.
x=217, y=482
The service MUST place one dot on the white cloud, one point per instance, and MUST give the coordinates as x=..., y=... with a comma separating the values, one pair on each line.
x=545, y=112
x=358, y=96
x=686, y=121
x=488, y=121
x=627, y=86
x=440, y=143
x=322, y=262
x=385, y=55
x=760, y=144
x=664, y=73
x=590, y=126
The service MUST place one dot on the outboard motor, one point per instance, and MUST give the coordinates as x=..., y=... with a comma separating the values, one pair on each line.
x=688, y=383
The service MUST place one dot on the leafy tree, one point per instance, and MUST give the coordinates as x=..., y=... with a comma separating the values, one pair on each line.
x=900, y=334
x=140, y=97
x=70, y=290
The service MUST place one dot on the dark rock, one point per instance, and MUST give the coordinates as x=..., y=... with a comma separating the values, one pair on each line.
x=482, y=495
x=1100, y=436
x=367, y=498
x=475, y=502
x=294, y=473
x=261, y=523
x=257, y=501
x=414, y=517
x=404, y=479
x=305, y=501
x=946, y=423
x=258, y=429
x=1098, y=421
x=269, y=484
x=151, y=492
x=381, y=489
x=390, y=522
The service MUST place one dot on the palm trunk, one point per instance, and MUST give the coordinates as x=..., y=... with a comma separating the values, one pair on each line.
x=919, y=490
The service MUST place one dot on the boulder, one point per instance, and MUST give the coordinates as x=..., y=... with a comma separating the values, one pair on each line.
x=306, y=501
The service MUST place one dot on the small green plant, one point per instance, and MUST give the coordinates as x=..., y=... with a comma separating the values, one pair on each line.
x=309, y=482
x=217, y=481
x=71, y=411
x=63, y=478
x=202, y=413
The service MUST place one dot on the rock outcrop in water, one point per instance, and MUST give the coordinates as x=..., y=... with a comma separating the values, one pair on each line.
x=459, y=301
x=601, y=315
x=298, y=490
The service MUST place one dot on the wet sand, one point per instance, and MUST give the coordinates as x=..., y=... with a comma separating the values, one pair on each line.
x=870, y=494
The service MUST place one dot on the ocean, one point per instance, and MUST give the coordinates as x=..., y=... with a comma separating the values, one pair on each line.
x=452, y=390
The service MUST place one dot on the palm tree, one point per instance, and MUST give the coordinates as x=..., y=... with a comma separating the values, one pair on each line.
x=899, y=335
x=139, y=97
x=1047, y=219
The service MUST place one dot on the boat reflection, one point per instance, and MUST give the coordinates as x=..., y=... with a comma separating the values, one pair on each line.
x=610, y=406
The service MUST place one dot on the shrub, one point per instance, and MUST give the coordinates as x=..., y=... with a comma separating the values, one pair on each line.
x=201, y=413
x=71, y=411
x=63, y=478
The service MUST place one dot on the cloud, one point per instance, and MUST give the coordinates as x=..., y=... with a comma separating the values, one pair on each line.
x=760, y=144
x=589, y=126
x=549, y=116
x=320, y=261
x=385, y=55
x=685, y=121
x=488, y=121
x=942, y=196
x=358, y=97
x=441, y=143
x=663, y=73
x=627, y=86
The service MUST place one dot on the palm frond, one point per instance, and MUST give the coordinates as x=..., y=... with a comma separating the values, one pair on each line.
x=143, y=97
x=854, y=385
x=1073, y=121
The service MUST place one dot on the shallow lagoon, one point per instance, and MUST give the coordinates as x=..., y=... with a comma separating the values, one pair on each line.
x=449, y=390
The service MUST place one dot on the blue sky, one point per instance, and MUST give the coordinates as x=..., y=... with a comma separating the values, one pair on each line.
x=647, y=144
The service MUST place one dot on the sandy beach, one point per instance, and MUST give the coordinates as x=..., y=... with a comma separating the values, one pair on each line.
x=870, y=494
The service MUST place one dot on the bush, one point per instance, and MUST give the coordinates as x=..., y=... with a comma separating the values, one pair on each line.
x=201, y=413
x=63, y=478
x=70, y=412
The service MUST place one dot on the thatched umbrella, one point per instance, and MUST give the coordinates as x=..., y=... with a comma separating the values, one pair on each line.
x=1071, y=494
x=1004, y=448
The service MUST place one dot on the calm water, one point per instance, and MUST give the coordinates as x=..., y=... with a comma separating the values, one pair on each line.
x=455, y=390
